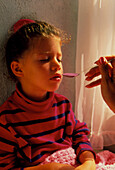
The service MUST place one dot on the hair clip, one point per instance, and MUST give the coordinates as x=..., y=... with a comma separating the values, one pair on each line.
x=21, y=23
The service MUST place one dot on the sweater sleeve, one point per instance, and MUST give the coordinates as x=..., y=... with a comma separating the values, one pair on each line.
x=7, y=148
x=80, y=134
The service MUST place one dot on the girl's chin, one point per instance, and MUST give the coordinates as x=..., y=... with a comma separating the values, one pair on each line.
x=54, y=89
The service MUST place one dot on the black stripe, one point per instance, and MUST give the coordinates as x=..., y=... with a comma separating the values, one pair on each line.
x=3, y=164
x=81, y=143
x=81, y=130
x=40, y=155
x=4, y=126
x=23, y=154
x=11, y=111
x=22, y=98
x=51, y=142
x=8, y=142
x=77, y=136
x=16, y=148
x=26, y=123
x=43, y=133
x=61, y=102
x=41, y=144
x=5, y=154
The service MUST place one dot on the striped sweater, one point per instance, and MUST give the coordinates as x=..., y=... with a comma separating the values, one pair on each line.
x=31, y=131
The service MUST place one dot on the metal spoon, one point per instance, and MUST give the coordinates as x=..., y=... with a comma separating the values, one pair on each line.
x=71, y=75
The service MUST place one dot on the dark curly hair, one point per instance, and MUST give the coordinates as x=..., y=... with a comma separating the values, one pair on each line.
x=20, y=40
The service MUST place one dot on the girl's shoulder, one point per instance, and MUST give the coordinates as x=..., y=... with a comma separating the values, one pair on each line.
x=7, y=105
x=60, y=97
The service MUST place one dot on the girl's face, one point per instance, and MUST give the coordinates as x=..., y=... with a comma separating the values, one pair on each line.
x=41, y=66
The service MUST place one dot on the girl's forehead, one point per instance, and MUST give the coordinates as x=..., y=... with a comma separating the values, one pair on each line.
x=45, y=42
x=42, y=39
x=40, y=45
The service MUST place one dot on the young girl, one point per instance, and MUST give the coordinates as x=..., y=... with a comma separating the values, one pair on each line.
x=35, y=122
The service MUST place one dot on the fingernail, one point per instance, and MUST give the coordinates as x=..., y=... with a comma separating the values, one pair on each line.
x=101, y=60
x=87, y=73
x=96, y=62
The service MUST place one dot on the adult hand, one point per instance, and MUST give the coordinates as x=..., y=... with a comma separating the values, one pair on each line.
x=107, y=80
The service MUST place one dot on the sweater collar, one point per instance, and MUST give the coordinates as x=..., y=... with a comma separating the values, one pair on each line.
x=28, y=104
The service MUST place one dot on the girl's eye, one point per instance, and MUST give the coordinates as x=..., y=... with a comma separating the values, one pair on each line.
x=59, y=59
x=45, y=60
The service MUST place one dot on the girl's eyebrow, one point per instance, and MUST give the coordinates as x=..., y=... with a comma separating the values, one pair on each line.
x=48, y=52
x=45, y=52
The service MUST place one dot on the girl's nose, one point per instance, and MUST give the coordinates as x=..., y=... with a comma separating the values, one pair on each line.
x=56, y=65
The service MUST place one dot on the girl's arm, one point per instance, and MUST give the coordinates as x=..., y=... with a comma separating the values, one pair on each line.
x=51, y=166
x=87, y=161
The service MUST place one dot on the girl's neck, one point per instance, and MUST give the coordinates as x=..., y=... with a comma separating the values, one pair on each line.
x=34, y=96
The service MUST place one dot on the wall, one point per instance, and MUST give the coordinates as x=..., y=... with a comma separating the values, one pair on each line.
x=61, y=13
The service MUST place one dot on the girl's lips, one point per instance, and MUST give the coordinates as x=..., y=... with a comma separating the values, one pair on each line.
x=56, y=77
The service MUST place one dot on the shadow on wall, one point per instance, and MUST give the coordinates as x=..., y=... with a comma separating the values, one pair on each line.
x=6, y=85
x=61, y=13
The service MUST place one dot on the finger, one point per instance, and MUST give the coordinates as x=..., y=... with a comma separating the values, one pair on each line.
x=95, y=71
x=105, y=68
x=92, y=71
x=93, y=76
x=108, y=58
x=94, y=83
x=113, y=72
x=113, y=62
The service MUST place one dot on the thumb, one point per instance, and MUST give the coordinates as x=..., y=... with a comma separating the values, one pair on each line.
x=105, y=68
x=113, y=73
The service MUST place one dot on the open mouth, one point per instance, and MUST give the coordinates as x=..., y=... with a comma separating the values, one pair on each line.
x=56, y=77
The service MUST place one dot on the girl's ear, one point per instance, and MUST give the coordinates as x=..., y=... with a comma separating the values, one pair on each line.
x=16, y=69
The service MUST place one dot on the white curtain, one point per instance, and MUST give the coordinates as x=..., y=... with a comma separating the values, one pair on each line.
x=95, y=38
